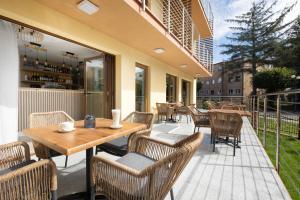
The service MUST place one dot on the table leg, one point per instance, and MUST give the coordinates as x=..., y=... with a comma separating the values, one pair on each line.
x=89, y=191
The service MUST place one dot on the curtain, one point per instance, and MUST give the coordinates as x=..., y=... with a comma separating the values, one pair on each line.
x=9, y=83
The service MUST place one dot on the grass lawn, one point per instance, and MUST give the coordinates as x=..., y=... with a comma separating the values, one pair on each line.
x=290, y=154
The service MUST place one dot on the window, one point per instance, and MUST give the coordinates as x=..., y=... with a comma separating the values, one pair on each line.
x=230, y=79
x=213, y=82
x=212, y=92
x=207, y=82
x=238, y=91
x=220, y=91
x=238, y=78
x=230, y=91
x=220, y=80
x=206, y=92
x=171, y=88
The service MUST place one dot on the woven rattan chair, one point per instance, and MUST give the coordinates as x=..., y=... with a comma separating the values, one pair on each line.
x=147, y=172
x=43, y=119
x=22, y=178
x=231, y=107
x=183, y=110
x=119, y=146
x=226, y=125
x=200, y=119
x=164, y=110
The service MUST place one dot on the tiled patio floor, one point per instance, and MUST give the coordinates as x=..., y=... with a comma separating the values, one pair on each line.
x=209, y=175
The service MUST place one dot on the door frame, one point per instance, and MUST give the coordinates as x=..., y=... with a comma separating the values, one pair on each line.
x=146, y=86
x=189, y=91
x=109, y=85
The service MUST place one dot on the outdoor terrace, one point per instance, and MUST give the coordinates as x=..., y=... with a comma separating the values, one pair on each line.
x=248, y=175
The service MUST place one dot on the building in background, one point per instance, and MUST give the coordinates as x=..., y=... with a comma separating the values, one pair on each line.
x=227, y=82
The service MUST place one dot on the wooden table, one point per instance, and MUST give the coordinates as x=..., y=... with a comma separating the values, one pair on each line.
x=240, y=112
x=81, y=139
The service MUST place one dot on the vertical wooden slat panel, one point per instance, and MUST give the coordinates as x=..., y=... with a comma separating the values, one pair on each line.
x=46, y=100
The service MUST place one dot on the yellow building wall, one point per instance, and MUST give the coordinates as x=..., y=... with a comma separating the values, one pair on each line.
x=32, y=13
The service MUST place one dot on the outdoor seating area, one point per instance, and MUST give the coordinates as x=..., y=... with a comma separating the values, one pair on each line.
x=133, y=161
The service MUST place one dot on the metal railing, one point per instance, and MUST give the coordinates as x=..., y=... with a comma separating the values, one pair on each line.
x=233, y=99
x=176, y=18
x=276, y=120
x=208, y=12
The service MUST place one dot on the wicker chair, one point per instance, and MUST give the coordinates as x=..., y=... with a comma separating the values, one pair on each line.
x=119, y=146
x=164, y=110
x=183, y=110
x=225, y=125
x=22, y=178
x=231, y=107
x=147, y=172
x=45, y=119
x=200, y=119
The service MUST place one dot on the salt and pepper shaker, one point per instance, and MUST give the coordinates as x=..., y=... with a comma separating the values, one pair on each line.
x=89, y=121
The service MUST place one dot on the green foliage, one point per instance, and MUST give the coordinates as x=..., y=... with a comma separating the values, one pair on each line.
x=205, y=105
x=288, y=50
x=274, y=79
x=254, y=36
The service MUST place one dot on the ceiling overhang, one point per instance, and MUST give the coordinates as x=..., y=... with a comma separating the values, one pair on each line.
x=128, y=23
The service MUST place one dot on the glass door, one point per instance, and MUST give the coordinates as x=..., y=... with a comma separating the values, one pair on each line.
x=171, y=88
x=140, y=88
x=185, y=92
x=99, y=86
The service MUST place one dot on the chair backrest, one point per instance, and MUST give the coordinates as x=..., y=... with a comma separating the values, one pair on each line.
x=169, y=168
x=231, y=107
x=43, y=119
x=141, y=117
x=193, y=110
x=162, y=108
x=225, y=124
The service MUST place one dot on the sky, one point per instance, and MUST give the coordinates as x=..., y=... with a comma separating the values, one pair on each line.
x=227, y=9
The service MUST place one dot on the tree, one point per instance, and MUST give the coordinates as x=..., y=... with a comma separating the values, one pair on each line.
x=254, y=35
x=274, y=79
x=288, y=50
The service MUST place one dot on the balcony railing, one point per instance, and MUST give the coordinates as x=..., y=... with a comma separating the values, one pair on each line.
x=208, y=12
x=175, y=17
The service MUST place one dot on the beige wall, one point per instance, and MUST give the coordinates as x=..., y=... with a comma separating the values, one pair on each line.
x=32, y=13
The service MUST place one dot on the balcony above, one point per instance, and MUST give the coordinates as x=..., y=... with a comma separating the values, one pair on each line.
x=203, y=17
x=131, y=23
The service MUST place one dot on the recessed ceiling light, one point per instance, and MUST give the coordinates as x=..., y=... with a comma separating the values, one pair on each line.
x=183, y=66
x=87, y=7
x=159, y=50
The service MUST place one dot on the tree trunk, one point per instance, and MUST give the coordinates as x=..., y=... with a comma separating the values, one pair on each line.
x=253, y=74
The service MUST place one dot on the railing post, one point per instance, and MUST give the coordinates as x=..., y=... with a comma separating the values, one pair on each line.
x=253, y=111
x=299, y=128
x=265, y=121
x=257, y=116
x=192, y=39
x=183, y=16
x=144, y=5
x=278, y=126
x=169, y=16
